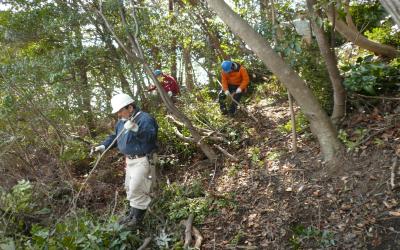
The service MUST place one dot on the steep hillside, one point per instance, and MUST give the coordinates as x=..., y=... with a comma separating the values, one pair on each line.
x=278, y=200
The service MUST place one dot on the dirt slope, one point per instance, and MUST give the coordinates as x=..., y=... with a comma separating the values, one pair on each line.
x=281, y=201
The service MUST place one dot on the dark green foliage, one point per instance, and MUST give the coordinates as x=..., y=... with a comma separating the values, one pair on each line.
x=371, y=77
x=312, y=69
x=19, y=207
x=169, y=141
x=178, y=202
x=84, y=232
x=367, y=16
x=311, y=237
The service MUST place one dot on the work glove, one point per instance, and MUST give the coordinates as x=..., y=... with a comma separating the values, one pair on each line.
x=129, y=125
x=238, y=90
x=226, y=92
x=100, y=148
x=169, y=93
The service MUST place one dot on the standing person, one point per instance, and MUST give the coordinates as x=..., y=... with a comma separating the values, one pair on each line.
x=168, y=82
x=135, y=136
x=234, y=79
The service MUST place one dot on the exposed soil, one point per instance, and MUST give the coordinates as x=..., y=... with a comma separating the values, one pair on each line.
x=288, y=201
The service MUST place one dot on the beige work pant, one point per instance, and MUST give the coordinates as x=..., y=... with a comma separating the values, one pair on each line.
x=138, y=181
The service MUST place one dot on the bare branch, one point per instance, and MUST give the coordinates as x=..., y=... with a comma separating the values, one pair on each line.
x=145, y=243
x=198, y=238
x=188, y=231
x=226, y=153
x=181, y=136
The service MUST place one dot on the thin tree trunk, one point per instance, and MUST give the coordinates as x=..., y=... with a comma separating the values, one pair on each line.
x=319, y=121
x=124, y=82
x=208, y=29
x=81, y=65
x=265, y=14
x=188, y=69
x=293, y=121
x=357, y=38
x=393, y=7
x=173, y=56
x=339, y=93
x=115, y=57
x=290, y=99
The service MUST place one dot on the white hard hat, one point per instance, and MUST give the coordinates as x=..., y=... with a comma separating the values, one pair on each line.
x=119, y=101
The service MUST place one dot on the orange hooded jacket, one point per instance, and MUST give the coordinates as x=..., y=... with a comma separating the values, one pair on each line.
x=239, y=78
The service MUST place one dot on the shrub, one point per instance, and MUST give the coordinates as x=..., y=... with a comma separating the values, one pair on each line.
x=369, y=77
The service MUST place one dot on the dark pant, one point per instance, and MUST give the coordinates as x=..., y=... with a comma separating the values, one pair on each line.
x=222, y=100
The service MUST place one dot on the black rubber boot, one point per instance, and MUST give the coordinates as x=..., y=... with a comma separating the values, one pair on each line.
x=137, y=217
x=233, y=107
x=127, y=217
x=221, y=101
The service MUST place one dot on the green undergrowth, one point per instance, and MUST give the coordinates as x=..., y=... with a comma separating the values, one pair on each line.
x=177, y=202
x=311, y=237
x=25, y=224
x=86, y=230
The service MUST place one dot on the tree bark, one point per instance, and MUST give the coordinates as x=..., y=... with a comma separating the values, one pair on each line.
x=81, y=65
x=339, y=93
x=319, y=121
x=393, y=7
x=118, y=67
x=188, y=69
x=173, y=63
x=208, y=29
x=354, y=36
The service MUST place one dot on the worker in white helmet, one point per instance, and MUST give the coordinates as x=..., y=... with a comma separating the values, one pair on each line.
x=137, y=143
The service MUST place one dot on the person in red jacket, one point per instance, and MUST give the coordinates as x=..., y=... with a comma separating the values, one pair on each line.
x=168, y=82
x=234, y=80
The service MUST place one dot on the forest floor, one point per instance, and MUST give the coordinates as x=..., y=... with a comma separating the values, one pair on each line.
x=281, y=200
x=285, y=201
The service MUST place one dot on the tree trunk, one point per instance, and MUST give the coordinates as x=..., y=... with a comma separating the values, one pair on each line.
x=393, y=7
x=293, y=122
x=188, y=69
x=208, y=29
x=81, y=65
x=319, y=121
x=173, y=63
x=124, y=82
x=339, y=93
x=357, y=38
x=265, y=14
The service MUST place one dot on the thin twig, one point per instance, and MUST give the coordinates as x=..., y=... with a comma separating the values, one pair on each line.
x=393, y=173
x=213, y=175
x=378, y=97
x=115, y=203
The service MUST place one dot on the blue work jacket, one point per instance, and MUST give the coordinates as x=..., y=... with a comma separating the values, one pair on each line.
x=135, y=143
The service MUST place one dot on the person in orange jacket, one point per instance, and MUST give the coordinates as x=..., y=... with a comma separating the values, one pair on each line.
x=234, y=80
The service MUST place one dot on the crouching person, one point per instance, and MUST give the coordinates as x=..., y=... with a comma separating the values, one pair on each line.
x=234, y=80
x=135, y=136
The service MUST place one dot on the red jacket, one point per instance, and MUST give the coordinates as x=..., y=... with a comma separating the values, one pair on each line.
x=169, y=84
